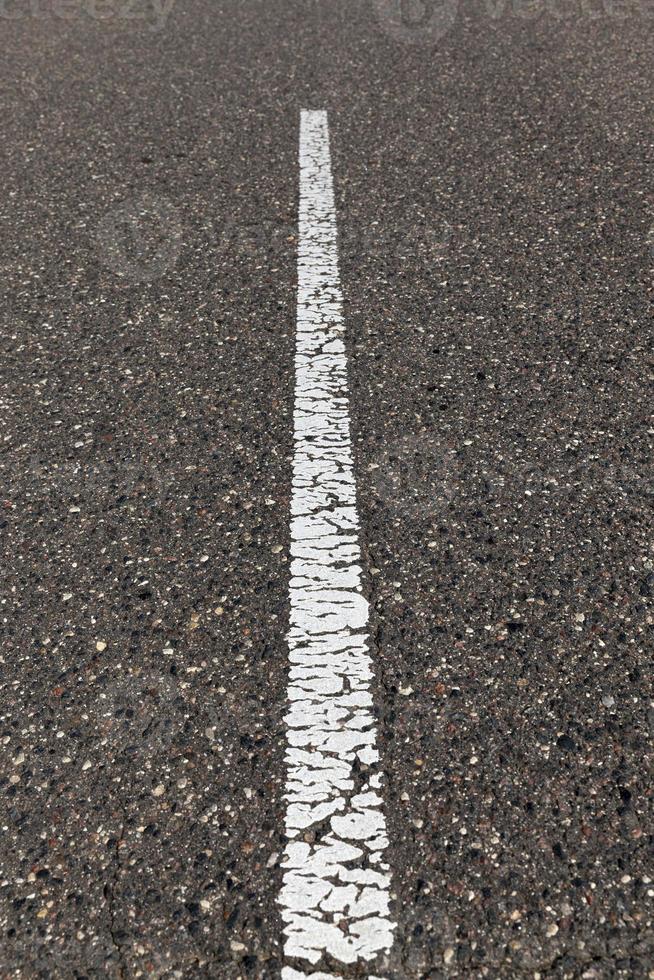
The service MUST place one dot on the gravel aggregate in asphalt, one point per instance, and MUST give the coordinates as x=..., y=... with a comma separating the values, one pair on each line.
x=494, y=201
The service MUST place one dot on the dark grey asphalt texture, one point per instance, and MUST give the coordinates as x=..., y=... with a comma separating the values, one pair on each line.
x=494, y=183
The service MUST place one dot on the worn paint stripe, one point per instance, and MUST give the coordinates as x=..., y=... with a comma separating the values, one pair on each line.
x=288, y=973
x=335, y=891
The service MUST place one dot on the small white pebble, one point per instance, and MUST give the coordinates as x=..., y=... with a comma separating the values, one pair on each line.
x=159, y=790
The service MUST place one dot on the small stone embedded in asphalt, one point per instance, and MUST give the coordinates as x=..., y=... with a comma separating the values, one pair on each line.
x=528, y=335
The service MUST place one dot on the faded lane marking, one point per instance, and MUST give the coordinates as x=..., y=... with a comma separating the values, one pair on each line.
x=288, y=973
x=335, y=892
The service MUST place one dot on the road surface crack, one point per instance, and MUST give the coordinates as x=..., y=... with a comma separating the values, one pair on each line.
x=110, y=895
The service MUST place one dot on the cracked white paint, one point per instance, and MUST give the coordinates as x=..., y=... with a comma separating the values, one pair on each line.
x=335, y=893
x=288, y=973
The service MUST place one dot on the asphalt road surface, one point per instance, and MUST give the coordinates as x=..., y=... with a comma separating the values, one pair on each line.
x=326, y=511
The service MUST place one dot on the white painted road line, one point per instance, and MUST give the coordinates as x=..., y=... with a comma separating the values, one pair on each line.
x=335, y=892
x=290, y=974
